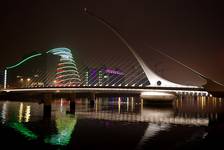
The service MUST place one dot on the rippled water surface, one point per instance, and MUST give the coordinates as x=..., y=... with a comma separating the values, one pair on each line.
x=112, y=123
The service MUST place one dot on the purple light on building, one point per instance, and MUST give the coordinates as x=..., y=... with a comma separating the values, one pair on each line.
x=93, y=72
x=111, y=71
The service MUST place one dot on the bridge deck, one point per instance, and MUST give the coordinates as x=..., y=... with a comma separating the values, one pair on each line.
x=108, y=89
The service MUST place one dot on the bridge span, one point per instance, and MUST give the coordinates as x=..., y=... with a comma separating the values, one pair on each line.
x=155, y=92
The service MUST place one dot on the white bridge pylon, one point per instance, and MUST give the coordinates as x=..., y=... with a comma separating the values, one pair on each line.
x=154, y=79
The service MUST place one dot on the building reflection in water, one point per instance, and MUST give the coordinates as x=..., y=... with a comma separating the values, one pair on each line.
x=20, y=112
x=65, y=124
x=4, y=112
x=152, y=130
x=138, y=112
x=27, y=114
x=186, y=110
x=199, y=107
x=189, y=110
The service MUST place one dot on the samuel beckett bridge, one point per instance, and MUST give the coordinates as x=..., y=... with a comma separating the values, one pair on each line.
x=61, y=70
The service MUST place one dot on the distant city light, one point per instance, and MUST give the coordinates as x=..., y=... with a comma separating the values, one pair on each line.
x=18, y=76
x=36, y=75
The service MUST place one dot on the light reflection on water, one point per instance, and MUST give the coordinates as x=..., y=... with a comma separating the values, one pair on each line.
x=119, y=115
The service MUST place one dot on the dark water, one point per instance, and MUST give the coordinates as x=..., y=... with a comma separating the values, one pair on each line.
x=112, y=123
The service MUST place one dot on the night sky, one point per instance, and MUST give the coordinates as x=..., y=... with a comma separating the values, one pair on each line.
x=191, y=31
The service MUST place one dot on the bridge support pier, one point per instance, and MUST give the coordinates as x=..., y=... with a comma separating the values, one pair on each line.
x=92, y=99
x=72, y=98
x=47, y=105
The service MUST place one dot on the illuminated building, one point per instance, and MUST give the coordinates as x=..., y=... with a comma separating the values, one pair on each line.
x=91, y=77
x=67, y=72
x=55, y=67
x=103, y=76
x=111, y=76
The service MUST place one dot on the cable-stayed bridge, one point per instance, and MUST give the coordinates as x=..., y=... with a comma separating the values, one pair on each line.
x=59, y=69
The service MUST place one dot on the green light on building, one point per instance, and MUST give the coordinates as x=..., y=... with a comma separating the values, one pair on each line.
x=23, y=61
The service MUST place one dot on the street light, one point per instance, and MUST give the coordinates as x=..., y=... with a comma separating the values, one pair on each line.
x=28, y=80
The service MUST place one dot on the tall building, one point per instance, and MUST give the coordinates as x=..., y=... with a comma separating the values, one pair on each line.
x=90, y=76
x=67, y=73
x=104, y=76
x=113, y=76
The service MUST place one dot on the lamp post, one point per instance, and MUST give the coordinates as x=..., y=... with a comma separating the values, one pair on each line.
x=5, y=79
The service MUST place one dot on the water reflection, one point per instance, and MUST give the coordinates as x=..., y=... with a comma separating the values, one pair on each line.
x=4, y=112
x=27, y=114
x=127, y=116
x=20, y=112
x=151, y=131
x=65, y=125
x=23, y=130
